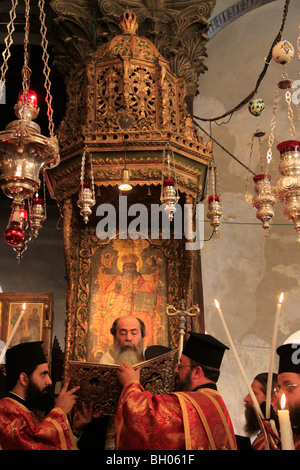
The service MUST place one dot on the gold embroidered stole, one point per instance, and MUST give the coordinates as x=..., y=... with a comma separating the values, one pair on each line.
x=185, y=396
x=54, y=422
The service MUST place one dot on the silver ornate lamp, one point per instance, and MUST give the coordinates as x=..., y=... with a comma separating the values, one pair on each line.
x=215, y=209
x=86, y=198
x=288, y=186
x=169, y=191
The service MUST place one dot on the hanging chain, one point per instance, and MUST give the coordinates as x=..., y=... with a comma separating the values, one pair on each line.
x=82, y=169
x=261, y=155
x=288, y=98
x=45, y=194
x=92, y=177
x=248, y=197
x=298, y=49
x=213, y=185
x=46, y=69
x=174, y=172
x=298, y=44
x=273, y=124
x=8, y=42
x=163, y=168
x=218, y=187
x=26, y=72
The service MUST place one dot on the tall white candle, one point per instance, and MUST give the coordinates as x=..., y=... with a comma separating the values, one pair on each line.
x=12, y=333
x=286, y=434
x=254, y=399
x=273, y=347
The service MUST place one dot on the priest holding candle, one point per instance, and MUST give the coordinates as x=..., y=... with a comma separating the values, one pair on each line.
x=289, y=392
x=262, y=432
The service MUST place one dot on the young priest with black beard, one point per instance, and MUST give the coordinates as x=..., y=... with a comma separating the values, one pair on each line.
x=30, y=392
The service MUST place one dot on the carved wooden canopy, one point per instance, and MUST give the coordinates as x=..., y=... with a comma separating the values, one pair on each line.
x=124, y=95
x=176, y=28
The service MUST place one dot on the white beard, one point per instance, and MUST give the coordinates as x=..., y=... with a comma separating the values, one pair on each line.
x=133, y=356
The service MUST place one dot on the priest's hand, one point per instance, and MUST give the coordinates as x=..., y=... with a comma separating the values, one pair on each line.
x=67, y=398
x=83, y=415
x=126, y=373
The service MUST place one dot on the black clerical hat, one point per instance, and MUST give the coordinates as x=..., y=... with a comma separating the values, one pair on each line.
x=289, y=354
x=204, y=349
x=289, y=358
x=24, y=357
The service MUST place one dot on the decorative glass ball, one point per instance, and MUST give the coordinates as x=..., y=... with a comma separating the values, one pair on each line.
x=283, y=52
x=256, y=106
x=14, y=235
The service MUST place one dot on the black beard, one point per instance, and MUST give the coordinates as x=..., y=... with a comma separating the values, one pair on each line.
x=42, y=400
x=184, y=385
x=252, y=425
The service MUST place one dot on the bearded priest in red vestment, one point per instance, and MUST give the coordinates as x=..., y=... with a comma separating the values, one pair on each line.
x=192, y=418
x=29, y=385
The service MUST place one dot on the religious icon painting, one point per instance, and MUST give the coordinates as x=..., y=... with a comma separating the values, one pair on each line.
x=26, y=317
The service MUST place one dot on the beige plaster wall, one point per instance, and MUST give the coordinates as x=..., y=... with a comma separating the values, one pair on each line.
x=242, y=268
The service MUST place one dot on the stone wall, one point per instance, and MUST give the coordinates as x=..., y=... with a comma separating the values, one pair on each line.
x=242, y=268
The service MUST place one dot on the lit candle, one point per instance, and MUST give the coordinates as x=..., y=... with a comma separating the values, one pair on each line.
x=273, y=347
x=286, y=434
x=250, y=390
x=12, y=333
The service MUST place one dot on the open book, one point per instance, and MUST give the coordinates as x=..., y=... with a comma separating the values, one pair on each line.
x=99, y=383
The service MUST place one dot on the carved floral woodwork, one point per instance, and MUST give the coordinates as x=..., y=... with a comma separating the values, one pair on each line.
x=100, y=385
x=177, y=29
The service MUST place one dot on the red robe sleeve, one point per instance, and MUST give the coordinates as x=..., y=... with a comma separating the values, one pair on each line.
x=20, y=429
x=164, y=422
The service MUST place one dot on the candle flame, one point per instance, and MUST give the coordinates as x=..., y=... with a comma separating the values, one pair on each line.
x=283, y=402
x=281, y=298
x=217, y=303
x=24, y=306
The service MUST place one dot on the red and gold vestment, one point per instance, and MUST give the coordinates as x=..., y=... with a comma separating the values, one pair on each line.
x=266, y=441
x=196, y=420
x=297, y=442
x=20, y=429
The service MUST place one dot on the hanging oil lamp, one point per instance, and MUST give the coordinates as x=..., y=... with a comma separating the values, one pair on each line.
x=169, y=197
x=18, y=233
x=37, y=214
x=169, y=192
x=24, y=151
x=215, y=210
x=264, y=200
x=86, y=198
x=125, y=174
x=288, y=186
